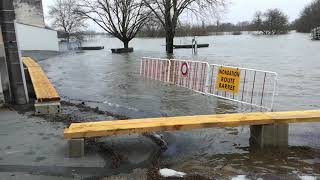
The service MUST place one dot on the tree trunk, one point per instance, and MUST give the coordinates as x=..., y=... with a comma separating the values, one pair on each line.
x=68, y=41
x=126, y=44
x=169, y=41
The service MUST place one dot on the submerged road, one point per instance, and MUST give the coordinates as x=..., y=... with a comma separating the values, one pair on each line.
x=112, y=83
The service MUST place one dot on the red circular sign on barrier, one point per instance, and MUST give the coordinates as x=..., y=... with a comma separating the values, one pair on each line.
x=184, y=69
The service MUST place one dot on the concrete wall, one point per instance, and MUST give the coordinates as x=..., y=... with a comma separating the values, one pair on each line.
x=5, y=89
x=1, y=94
x=3, y=68
x=14, y=64
x=35, y=38
x=29, y=12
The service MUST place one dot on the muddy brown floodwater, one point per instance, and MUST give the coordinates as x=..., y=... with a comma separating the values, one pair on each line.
x=112, y=83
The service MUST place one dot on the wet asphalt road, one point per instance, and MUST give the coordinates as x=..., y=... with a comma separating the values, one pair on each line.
x=112, y=83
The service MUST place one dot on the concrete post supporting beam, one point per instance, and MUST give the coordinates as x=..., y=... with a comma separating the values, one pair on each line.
x=76, y=147
x=14, y=64
x=1, y=93
x=264, y=136
x=5, y=82
x=47, y=108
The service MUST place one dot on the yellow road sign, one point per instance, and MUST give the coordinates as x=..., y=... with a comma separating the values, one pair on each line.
x=228, y=79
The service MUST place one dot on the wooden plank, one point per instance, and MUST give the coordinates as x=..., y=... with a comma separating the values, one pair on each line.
x=44, y=90
x=120, y=127
x=28, y=62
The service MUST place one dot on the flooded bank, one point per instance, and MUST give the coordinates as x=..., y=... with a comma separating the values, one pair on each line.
x=112, y=83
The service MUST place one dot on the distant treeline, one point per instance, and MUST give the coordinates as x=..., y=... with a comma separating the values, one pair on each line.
x=272, y=21
x=64, y=35
x=154, y=30
x=309, y=17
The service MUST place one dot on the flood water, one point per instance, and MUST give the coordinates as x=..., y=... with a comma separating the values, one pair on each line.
x=112, y=82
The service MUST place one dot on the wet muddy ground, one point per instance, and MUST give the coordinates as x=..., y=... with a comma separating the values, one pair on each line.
x=26, y=153
x=132, y=156
x=290, y=162
x=98, y=85
x=112, y=83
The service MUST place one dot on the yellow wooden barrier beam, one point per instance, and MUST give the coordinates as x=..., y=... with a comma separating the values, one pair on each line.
x=44, y=90
x=120, y=127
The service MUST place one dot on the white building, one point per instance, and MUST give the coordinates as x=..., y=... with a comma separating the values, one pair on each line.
x=30, y=27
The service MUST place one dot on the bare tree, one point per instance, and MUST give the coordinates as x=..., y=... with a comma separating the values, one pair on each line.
x=276, y=22
x=272, y=22
x=257, y=21
x=65, y=17
x=120, y=18
x=309, y=18
x=169, y=11
x=151, y=28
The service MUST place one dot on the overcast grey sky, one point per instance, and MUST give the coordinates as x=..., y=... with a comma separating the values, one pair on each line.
x=243, y=10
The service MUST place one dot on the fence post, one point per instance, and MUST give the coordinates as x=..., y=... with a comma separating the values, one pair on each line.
x=142, y=59
x=169, y=70
x=274, y=91
x=207, y=78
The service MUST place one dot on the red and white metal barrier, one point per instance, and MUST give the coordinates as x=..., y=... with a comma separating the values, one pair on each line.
x=154, y=68
x=189, y=74
x=256, y=87
x=247, y=86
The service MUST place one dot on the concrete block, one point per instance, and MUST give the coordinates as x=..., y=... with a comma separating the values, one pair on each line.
x=264, y=136
x=8, y=15
x=76, y=147
x=13, y=55
x=40, y=109
x=122, y=50
x=8, y=27
x=1, y=99
x=47, y=108
x=6, y=5
x=1, y=94
x=9, y=36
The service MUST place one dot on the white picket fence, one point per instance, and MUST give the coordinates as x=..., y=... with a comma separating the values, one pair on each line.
x=256, y=87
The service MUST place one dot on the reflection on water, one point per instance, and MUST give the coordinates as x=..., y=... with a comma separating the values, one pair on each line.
x=112, y=82
x=268, y=164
